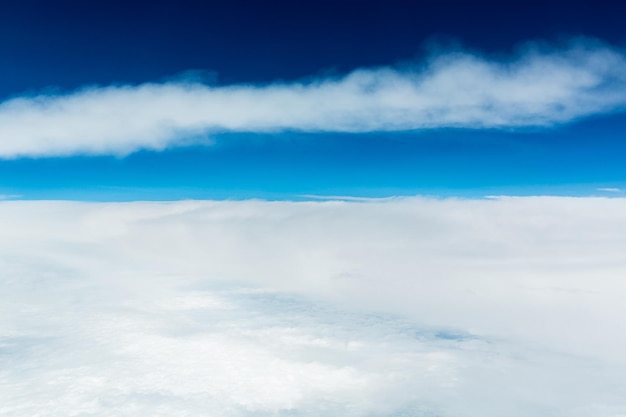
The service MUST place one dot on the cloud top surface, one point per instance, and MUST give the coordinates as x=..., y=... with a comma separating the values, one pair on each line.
x=407, y=307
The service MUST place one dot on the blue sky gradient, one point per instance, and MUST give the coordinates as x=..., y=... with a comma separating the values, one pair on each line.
x=48, y=49
x=576, y=159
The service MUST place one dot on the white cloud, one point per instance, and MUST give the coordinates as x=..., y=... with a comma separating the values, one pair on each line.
x=345, y=198
x=539, y=87
x=414, y=307
x=610, y=190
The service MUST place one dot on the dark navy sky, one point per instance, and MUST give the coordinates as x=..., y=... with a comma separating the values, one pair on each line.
x=63, y=45
x=71, y=43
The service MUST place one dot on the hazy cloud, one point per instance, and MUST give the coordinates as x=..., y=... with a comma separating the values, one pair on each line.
x=10, y=196
x=539, y=87
x=409, y=307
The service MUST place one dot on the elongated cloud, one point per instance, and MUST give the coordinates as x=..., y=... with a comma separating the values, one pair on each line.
x=409, y=307
x=462, y=90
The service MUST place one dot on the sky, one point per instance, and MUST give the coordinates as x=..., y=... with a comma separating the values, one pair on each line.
x=162, y=100
x=304, y=209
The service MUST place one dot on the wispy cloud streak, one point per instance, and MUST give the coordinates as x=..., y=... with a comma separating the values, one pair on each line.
x=539, y=87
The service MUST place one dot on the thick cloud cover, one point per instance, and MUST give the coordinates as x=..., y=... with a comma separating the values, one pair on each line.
x=408, y=307
x=539, y=87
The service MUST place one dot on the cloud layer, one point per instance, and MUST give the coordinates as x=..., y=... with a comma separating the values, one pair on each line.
x=539, y=87
x=408, y=307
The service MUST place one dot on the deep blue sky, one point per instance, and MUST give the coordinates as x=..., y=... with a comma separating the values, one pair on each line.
x=71, y=43
x=63, y=45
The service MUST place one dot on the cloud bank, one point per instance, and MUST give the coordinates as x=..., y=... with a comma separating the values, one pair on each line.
x=540, y=87
x=407, y=307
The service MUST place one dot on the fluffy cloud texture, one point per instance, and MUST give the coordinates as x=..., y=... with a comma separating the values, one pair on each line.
x=539, y=87
x=402, y=307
